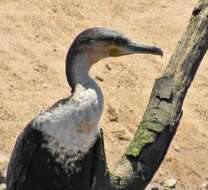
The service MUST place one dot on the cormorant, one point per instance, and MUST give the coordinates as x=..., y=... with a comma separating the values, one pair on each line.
x=55, y=150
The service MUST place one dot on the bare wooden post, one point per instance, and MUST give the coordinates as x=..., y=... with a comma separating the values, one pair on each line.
x=160, y=121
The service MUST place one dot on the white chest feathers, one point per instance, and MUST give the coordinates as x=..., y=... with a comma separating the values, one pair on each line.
x=72, y=124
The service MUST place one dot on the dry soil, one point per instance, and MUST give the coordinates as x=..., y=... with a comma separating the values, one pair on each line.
x=34, y=38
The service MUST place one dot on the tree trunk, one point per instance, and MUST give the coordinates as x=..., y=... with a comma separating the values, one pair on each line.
x=161, y=118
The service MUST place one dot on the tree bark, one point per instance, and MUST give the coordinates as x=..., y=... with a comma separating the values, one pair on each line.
x=163, y=113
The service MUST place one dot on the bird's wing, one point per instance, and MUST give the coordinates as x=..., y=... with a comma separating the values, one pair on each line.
x=32, y=167
x=22, y=156
x=27, y=145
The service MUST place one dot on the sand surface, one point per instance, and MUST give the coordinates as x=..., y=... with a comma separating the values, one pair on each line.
x=34, y=39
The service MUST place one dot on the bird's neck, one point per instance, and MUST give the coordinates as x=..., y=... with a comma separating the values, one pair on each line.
x=77, y=71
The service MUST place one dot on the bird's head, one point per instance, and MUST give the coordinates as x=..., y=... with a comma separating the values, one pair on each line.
x=95, y=44
x=99, y=43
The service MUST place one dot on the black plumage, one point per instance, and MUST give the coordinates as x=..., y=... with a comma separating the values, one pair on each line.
x=32, y=167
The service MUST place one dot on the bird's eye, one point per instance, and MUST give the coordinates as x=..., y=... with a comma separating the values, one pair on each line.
x=91, y=42
x=121, y=41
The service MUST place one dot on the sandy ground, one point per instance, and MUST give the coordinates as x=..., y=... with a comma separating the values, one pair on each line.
x=34, y=39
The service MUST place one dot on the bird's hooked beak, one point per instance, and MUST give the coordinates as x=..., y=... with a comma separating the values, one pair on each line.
x=133, y=48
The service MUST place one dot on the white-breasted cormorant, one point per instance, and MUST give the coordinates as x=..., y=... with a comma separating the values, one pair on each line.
x=55, y=150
